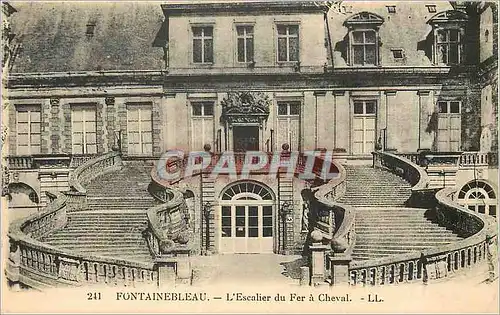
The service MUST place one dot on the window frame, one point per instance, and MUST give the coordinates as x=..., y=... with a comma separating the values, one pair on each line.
x=203, y=104
x=245, y=38
x=141, y=108
x=84, y=108
x=202, y=38
x=364, y=44
x=448, y=107
x=29, y=108
x=460, y=45
x=287, y=36
x=288, y=106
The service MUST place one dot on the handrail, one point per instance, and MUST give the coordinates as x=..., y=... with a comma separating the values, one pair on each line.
x=54, y=266
x=93, y=168
x=434, y=262
x=405, y=168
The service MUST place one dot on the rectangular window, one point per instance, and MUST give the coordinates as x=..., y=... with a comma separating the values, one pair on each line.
x=448, y=46
x=28, y=132
x=449, y=120
x=431, y=8
x=83, y=129
x=288, y=43
x=364, y=47
x=391, y=9
x=245, y=43
x=202, y=109
x=289, y=108
x=203, y=44
x=139, y=129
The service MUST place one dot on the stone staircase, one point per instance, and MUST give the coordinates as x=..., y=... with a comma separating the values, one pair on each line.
x=383, y=232
x=367, y=186
x=112, y=225
x=384, y=226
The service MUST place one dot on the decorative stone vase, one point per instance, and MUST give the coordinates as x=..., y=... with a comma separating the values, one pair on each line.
x=339, y=245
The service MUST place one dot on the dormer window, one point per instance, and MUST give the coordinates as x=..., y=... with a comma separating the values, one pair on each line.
x=363, y=39
x=449, y=37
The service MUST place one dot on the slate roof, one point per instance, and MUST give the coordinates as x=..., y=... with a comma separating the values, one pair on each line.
x=127, y=36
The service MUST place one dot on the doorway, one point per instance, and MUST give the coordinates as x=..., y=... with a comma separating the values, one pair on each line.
x=245, y=138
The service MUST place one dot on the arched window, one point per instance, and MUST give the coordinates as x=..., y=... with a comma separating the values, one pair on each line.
x=478, y=196
x=247, y=191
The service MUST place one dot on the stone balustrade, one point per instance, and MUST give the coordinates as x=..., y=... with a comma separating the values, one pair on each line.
x=20, y=162
x=435, y=262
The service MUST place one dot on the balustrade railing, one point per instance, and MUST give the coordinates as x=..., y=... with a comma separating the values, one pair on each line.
x=480, y=159
x=30, y=259
x=435, y=262
x=20, y=162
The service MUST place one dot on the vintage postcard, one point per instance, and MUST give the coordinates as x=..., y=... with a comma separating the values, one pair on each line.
x=261, y=156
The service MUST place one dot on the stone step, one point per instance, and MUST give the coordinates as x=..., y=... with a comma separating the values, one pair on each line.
x=411, y=234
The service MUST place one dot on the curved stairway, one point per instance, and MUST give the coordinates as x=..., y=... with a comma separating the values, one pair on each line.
x=116, y=217
x=384, y=226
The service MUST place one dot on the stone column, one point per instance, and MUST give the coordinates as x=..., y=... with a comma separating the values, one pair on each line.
x=339, y=268
x=166, y=272
x=318, y=262
x=183, y=268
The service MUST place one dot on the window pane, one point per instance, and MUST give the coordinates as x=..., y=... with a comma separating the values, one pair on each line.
x=226, y=231
x=370, y=37
x=442, y=36
x=90, y=126
x=253, y=232
x=293, y=29
x=371, y=55
x=282, y=49
x=253, y=211
x=35, y=116
x=455, y=107
x=267, y=210
x=370, y=107
x=481, y=208
x=22, y=116
x=196, y=109
x=443, y=107
x=240, y=211
x=294, y=108
x=357, y=37
x=208, y=50
x=196, y=31
x=294, y=49
x=146, y=137
x=226, y=221
x=241, y=50
x=493, y=210
x=35, y=139
x=453, y=35
x=22, y=127
x=133, y=114
x=209, y=109
x=253, y=221
x=282, y=109
x=197, y=50
x=442, y=54
x=249, y=50
x=267, y=231
x=91, y=149
x=453, y=54
x=226, y=211
x=267, y=221
x=90, y=138
x=240, y=30
x=281, y=29
x=358, y=107
x=208, y=31
x=358, y=55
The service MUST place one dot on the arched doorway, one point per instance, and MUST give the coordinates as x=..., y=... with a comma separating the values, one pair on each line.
x=478, y=196
x=247, y=222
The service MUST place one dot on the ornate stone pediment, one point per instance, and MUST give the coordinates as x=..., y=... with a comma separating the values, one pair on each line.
x=245, y=107
x=364, y=18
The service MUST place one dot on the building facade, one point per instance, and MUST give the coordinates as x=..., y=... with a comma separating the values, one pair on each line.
x=347, y=77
